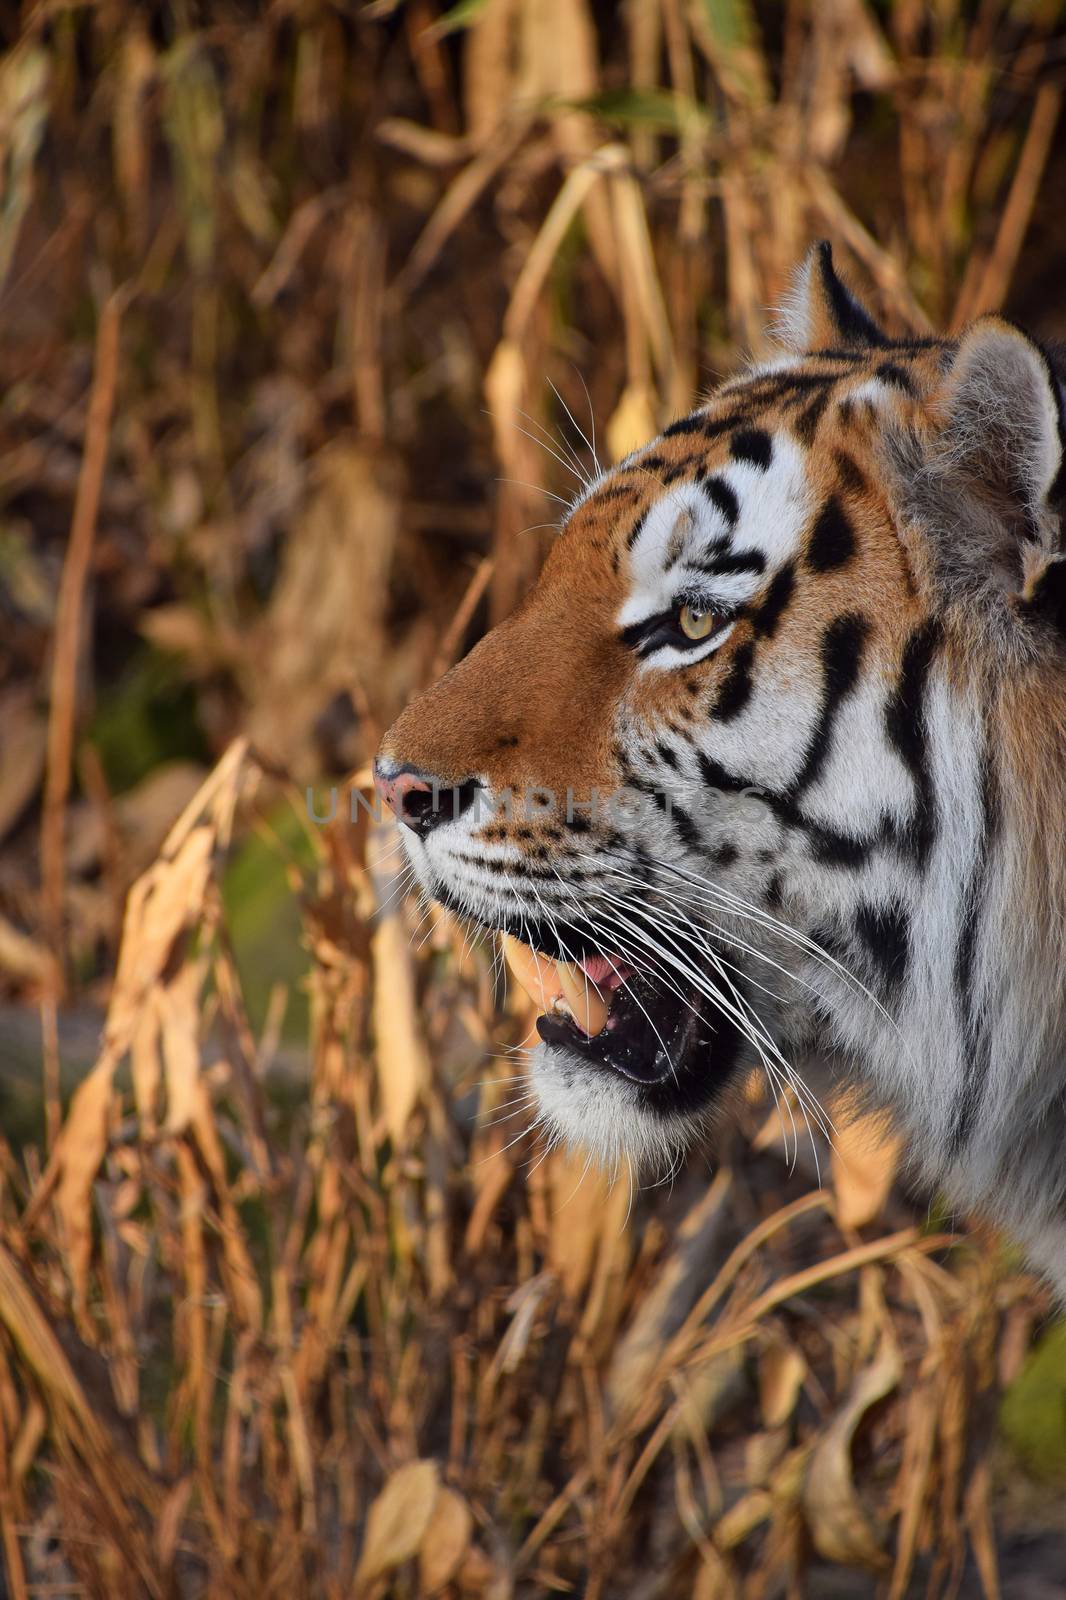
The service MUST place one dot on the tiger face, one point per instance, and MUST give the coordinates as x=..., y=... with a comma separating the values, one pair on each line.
x=738, y=768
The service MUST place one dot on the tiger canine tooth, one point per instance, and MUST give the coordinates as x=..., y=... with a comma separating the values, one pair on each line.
x=556, y=986
x=585, y=1000
x=536, y=974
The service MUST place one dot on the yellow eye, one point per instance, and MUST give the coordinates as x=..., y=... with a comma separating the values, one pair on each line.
x=696, y=624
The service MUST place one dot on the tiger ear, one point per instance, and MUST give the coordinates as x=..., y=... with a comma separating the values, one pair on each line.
x=1003, y=434
x=1002, y=413
x=820, y=313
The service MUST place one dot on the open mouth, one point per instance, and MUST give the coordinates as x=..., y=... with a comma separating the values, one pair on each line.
x=611, y=1016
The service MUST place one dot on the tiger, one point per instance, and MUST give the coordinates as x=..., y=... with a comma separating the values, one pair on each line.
x=772, y=760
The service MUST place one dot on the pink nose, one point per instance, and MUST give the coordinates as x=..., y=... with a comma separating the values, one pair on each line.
x=394, y=790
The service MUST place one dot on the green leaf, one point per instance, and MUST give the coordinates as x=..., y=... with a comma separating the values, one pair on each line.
x=1033, y=1415
x=730, y=21
x=647, y=108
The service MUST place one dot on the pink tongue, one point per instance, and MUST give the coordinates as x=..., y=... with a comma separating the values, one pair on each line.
x=606, y=972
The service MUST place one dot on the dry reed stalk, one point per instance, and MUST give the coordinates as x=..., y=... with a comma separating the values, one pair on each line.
x=985, y=287
x=68, y=629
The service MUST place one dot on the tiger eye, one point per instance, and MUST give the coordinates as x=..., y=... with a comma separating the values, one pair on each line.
x=695, y=624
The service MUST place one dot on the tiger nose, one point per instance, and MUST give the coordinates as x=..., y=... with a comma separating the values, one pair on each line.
x=418, y=800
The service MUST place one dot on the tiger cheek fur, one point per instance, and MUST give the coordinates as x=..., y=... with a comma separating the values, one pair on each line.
x=774, y=757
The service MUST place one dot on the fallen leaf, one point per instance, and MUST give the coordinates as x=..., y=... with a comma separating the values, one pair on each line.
x=397, y=1521
x=445, y=1541
x=841, y=1527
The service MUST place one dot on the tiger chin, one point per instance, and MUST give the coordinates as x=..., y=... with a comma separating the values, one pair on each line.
x=807, y=800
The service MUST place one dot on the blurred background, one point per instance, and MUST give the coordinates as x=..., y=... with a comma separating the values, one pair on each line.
x=308, y=315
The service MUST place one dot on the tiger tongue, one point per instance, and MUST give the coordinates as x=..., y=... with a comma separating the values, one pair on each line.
x=557, y=986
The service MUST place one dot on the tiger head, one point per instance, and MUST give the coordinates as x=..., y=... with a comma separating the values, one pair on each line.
x=771, y=758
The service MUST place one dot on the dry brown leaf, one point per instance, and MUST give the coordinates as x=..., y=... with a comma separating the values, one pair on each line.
x=79, y=1151
x=864, y=1163
x=523, y=1306
x=397, y=1521
x=161, y=905
x=445, y=1542
x=782, y=1370
x=145, y=1065
x=180, y=1023
x=841, y=1526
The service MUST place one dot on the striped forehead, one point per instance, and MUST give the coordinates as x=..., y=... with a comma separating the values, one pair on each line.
x=721, y=532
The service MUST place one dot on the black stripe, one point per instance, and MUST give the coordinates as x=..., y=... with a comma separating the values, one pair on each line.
x=736, y=688
x=715, y=776
x=906, y=728
x=885, y=934
x=729, y=562
x=714, y=427
x=806, y=424
x=832, y=541
x=686, y=829
x=790, y=388
x=842, y=648
x=635, y=531
x=831, y=848
x=753, y=445
x=777, y=597
x=973, y=1027
x=828, y=846
x=653, y=464
x=890, y=373
x=687, y=467
x=689, y=424
x=851, y=478
x=721, y=495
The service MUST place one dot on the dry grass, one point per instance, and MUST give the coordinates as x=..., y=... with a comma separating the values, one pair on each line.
x=289, y=302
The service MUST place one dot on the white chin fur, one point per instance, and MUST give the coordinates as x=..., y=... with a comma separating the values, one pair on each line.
x=597, y=1111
